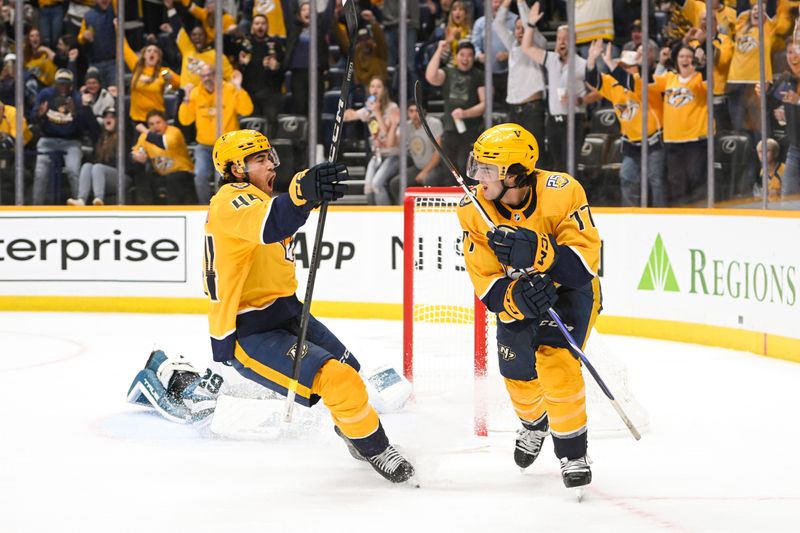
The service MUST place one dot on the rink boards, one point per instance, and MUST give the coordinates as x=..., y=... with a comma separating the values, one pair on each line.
x=722, y=277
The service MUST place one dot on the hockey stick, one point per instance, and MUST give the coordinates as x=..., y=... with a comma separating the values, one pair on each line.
x=576, y=350
x=351, y=19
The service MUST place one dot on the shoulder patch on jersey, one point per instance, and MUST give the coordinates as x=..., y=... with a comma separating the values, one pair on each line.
x=466, y=200
x=557, y=181
x=239, y=185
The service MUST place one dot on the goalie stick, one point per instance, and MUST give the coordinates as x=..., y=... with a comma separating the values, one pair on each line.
x=576, y=350
x=351, y=20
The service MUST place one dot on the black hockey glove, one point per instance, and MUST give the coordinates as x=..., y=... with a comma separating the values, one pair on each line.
x=530, y=297
x=522, y=248
x=319, y=184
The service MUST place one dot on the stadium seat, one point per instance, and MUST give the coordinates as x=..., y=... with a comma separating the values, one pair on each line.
x=287, y=102
x=171, y=106
x=499, y=118
x=604, y=120
x=334, y=77
x=592, y=154
x=732, y=152
x=293, y=128
x=607, y=191
x=330, y=101
x=254, y=123
x=335, y=53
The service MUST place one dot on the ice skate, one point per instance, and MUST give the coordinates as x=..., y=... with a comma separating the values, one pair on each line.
x=576, y=472
x=350, y=448
x=393, y=466
x=528, y=445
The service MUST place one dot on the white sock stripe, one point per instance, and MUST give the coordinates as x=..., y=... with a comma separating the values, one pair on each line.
x=569, y=435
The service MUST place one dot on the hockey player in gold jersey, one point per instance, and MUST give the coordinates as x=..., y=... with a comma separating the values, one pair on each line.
x=254, y=315
x=545, y=253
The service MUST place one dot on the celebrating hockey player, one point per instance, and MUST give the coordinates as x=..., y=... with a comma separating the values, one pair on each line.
x=250, y=281
x=544, y=253
x=254, y=315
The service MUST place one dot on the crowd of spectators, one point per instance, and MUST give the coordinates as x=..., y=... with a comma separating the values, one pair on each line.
x=70, y=88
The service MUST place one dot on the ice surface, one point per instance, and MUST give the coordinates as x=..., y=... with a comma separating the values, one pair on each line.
x=721, y=454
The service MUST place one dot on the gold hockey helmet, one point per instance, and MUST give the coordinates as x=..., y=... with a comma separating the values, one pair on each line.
x=234, y=147
x=501, y=147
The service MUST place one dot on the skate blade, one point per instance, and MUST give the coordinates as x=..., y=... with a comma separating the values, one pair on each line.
x=579, y=494
x=412, y=482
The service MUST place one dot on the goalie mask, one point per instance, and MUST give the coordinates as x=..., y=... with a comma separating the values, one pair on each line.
x=501, y=151
x=232, y=148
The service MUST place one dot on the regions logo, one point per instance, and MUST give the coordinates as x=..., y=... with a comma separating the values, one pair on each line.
x=557, y=181
x=658, y=273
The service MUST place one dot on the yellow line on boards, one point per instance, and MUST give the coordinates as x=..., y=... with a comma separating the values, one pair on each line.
x=736, y=339
x=134, y=304
x=757, y=342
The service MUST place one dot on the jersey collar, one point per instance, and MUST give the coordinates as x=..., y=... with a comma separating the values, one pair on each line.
x=527, y=208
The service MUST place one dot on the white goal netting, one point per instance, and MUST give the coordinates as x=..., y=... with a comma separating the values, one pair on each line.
x=450, y=353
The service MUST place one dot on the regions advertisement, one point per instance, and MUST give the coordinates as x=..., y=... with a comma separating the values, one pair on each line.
x=727, y=269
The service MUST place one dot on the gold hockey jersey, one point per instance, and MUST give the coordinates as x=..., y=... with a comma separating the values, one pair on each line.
x=248, y=260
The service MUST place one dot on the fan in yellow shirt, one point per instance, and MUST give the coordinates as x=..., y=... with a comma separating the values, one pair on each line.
x=150, y=79
x=8, y=124
x=199, y=106
x=206, y=17
x=685, y=128
x=195, y=50
x=624, y=90
x=743, y=75
x=165, y=147
x=39, y=58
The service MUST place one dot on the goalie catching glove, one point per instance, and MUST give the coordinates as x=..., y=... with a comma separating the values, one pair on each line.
x=522, y=248
x=319, y=183
x=530, y=297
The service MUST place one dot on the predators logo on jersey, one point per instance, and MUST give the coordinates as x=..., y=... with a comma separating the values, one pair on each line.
x=195, y=65
x=679, y=96
x=162, y=164
x=627, y=111
x=557, y=181
x=746, y=43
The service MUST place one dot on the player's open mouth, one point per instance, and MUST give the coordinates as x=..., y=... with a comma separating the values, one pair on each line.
x=271, y=181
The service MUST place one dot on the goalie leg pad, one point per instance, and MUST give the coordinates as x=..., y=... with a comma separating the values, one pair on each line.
x=388, y=389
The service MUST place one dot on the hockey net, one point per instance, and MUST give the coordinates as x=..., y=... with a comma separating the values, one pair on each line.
x=449, y=352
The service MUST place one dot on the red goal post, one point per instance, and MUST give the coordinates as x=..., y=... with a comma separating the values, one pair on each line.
x=435, y=201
